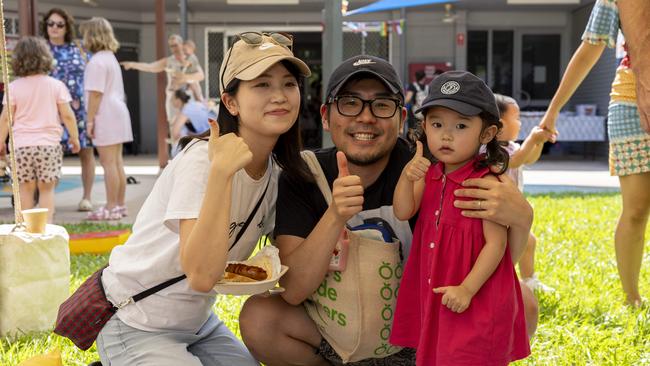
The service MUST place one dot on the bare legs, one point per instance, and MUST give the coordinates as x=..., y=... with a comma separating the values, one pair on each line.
x=87, y=170
x=527, y=261
x=114, y=178
x=45, y=196
x=279, y=334
x=629, y=238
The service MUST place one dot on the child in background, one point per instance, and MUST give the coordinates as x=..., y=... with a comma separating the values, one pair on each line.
x=459, y=299
x=188, y=48
x=37, y=101
x=192, y=118
x=520, y=155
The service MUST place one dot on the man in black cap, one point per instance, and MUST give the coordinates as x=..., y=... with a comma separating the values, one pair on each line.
x=364, y=112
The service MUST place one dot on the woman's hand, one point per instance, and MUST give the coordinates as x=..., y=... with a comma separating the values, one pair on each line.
x=499, y=201
x=229, y=152
x=548, y=123
x=127, y=65
x=417, y=168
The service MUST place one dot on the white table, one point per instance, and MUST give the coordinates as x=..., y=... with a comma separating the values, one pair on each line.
x=571, y=128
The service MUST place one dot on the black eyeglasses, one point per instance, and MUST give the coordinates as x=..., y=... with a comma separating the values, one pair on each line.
x=352, y=106
x=257, y=38
x=59, y=25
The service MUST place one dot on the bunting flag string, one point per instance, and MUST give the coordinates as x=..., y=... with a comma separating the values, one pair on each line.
x=383, y=27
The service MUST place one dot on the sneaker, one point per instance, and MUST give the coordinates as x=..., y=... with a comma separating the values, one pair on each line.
x=85, y=205
x=535, y=284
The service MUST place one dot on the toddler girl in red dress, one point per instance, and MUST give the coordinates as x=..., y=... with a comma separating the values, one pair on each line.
x=459, y=300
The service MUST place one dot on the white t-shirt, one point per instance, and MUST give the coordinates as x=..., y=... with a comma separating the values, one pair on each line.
x=151, y=255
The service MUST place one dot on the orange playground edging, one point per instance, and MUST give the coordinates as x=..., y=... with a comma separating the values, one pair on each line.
x=97, y=243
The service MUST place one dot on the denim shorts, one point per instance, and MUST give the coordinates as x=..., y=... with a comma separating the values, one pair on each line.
x=213, y=345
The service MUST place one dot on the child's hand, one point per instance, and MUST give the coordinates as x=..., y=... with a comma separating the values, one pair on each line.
x=548, y=123
x=456, y=298
x=540, y=135
x=417, y=168
x=76, y=146
x=90, y=129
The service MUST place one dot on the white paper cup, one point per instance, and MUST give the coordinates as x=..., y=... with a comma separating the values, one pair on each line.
x=35, y=220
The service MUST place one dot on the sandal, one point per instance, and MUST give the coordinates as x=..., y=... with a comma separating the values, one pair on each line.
x=124, y=211
x=102, y=214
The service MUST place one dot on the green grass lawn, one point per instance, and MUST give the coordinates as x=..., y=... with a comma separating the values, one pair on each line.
x=583, y=323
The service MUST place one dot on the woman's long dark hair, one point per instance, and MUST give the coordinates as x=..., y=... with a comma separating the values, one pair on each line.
x=495, y=154
x=286, y=151
x=70, y=32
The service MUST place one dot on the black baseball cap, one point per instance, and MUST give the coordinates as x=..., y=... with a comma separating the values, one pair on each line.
x=460, y=91
x=375, y=66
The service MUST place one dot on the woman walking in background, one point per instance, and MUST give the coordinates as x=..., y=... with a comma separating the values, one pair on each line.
x=69, y=63
x=629, y=153
x=109, y=123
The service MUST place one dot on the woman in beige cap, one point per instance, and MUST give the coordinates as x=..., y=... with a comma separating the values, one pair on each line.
x=198, y=214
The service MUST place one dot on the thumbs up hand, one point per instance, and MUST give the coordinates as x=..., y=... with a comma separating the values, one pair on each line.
x=347, y=191
x=229, y=152
x=417, y=168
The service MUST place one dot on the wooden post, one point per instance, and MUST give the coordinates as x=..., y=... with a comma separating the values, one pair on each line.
x=161, y=81
x=28, y=17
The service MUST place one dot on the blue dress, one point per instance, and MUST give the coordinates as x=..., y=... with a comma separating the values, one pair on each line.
x=69, y=65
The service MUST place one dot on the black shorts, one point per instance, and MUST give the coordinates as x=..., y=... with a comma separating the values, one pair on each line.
x=405, y=357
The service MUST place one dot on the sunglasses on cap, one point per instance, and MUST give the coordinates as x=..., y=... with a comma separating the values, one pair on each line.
x=257, y=38
x=59, y=25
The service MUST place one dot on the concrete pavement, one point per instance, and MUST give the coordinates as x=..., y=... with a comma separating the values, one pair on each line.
x=545, y=176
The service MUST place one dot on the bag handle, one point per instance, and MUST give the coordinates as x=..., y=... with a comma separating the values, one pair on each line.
x=164, y=285
x=317, y=171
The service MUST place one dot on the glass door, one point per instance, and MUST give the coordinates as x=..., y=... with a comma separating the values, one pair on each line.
x=490, y=57
x=540, y=65
x=538, y=57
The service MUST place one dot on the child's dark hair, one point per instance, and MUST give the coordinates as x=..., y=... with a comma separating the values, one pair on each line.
x=503, y=102
x=495, y=154
x=182, y=95
x=286, y=151
x=31, y=57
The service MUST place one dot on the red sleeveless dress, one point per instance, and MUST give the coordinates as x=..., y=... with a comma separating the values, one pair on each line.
x=492, y=331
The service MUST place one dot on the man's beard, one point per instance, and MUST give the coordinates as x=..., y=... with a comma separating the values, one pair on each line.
x=367, y=160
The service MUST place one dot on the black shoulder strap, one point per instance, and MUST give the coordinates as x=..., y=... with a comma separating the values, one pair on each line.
x=172, y=281
x=250, y=217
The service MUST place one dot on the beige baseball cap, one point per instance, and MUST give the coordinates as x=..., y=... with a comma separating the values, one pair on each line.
x=246, y=61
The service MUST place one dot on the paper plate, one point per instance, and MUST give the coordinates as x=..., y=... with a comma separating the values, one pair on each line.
x=248, y=288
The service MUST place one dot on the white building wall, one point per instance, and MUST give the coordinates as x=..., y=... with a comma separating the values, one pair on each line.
x=427, y=39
